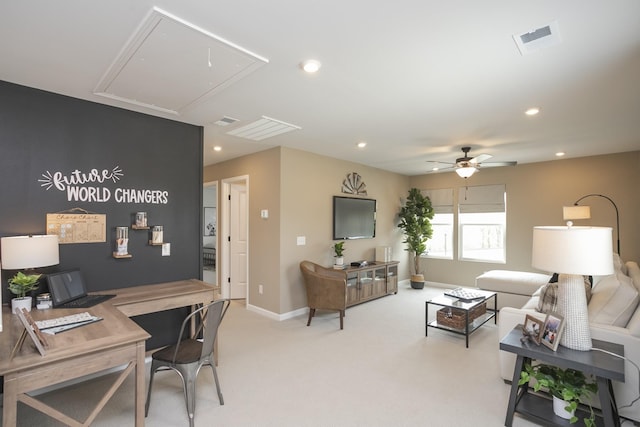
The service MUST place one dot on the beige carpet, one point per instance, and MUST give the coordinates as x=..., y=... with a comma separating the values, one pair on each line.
x=379, y=371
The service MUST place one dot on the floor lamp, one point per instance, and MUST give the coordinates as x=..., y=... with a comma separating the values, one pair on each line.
x=573, y=252
x=583, y=212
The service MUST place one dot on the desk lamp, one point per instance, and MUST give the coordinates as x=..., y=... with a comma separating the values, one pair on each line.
x=573, y=252
x=29, y=252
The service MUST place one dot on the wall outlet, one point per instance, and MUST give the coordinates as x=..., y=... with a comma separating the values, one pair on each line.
x=260, y=289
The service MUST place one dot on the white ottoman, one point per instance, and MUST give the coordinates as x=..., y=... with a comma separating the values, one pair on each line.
x=514, y=288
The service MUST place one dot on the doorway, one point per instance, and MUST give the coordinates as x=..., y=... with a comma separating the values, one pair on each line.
x=210, y=233
x=234, y=243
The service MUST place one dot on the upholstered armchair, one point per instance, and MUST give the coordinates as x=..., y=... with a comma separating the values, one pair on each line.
x=326, y=289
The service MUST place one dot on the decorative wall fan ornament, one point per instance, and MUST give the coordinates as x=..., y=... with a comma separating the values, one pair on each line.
x=353, y=184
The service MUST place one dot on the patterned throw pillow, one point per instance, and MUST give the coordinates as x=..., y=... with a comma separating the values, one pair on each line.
x=548, y=301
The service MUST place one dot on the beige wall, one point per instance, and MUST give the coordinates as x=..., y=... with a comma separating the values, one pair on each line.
x=263, y=170
x=309, y=182
x=536, y=193
x=297, y=188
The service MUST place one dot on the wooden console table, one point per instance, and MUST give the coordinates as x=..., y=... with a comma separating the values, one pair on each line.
x=374, y=280
x=114, y=341
x=605, y=367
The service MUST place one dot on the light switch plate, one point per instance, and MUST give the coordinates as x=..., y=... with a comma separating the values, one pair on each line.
x=166, y=249
x=301, y=240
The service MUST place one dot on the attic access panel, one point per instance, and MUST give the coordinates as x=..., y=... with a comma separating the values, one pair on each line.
x=170, y=65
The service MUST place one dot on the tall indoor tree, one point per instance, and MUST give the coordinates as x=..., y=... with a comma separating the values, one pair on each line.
x=415, y=221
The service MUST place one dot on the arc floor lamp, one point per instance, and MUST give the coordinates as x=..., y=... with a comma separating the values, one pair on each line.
x=583, y=212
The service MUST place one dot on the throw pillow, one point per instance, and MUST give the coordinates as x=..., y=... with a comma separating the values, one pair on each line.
x=614, y=301
x=548, y=301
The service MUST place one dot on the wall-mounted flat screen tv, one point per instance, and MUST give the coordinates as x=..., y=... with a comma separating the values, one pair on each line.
x=353, y=218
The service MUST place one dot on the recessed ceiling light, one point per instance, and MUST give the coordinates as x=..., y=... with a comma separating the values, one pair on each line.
x=532, y=111
x=311, y=66
x=362, y=144
x=560, y=153
x=217, y=148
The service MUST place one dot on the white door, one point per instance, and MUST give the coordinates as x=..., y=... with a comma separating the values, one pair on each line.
x=238, y=238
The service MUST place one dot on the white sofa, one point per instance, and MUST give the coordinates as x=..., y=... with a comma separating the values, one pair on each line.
x=614, y=316
x=513, y=288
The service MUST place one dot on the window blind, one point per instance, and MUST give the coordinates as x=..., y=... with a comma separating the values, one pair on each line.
x=441, y=199
x=482, y=198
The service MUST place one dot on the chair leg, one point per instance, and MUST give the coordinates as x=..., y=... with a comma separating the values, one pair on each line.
x=312, y=312
x=341, y=319
x=146, y=406
x=215, y=377
x=189, y=376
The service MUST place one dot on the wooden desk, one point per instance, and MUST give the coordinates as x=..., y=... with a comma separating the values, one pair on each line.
x=114, y=341
x=146, y=299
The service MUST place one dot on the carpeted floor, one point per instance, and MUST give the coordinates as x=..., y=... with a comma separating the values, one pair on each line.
x=380, y=370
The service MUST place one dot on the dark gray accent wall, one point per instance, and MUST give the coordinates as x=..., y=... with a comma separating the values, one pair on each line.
x=42, y=134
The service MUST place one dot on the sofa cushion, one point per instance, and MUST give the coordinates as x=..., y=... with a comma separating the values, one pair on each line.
x=548, y=301
x=613, y=301
x=511, y=282
x=633, y=271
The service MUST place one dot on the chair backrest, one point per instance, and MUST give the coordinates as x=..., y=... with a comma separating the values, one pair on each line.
x=325, y=287
x=214, y=313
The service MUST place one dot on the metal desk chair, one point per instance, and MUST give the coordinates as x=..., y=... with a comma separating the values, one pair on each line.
x=187, y=356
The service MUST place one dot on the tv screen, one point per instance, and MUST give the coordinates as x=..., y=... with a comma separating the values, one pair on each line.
x=353, y=218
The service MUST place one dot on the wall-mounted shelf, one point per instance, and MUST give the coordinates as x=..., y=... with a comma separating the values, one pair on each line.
x=152, y=243
x=115, y=255
x=138, y=227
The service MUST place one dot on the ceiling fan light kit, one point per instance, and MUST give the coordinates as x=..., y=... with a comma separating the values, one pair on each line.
x=466, y=166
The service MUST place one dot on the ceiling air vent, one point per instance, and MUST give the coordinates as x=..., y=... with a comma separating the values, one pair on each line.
x=225, y=121
x=264, y=128
x=542, y=37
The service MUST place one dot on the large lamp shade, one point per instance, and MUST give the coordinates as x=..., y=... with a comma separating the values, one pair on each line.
x=573, y=252
x=24, y=252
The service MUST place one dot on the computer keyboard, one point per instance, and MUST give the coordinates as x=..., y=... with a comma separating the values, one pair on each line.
x=71, y=319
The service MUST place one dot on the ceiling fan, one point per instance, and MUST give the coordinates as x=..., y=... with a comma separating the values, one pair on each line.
x=466, y=166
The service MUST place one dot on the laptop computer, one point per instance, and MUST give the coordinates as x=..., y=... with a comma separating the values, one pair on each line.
x=68, y=290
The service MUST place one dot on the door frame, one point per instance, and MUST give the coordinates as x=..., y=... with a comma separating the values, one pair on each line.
x=224, y=224
x=204, y=186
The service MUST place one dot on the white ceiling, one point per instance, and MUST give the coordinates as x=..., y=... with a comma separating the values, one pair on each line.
x=415, y=79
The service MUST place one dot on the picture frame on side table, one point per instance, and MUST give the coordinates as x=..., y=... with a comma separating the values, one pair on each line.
x=533, y=328
x=552, y=331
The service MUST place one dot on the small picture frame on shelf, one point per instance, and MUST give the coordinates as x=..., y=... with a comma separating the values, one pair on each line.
x=552, y=331
x=532, y=329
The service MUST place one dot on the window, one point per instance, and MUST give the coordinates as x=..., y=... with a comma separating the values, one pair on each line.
x=441, y=243
x=482, y=223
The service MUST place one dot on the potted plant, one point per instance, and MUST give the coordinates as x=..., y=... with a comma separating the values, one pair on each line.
x=338, y=249
x=19, y=285
x=566, y=385
x=415, y=222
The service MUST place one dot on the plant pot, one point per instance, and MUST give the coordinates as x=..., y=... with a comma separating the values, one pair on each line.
x=339, y=260
x=558, y=408
x=20, y=303
x=417, y=281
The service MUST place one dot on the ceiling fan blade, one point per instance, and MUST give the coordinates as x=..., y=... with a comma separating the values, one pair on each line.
x=437, y=169
x=481, y=158
x=497, y=164
x=438, y=161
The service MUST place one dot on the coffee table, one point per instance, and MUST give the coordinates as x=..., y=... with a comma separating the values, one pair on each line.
x=456, y=306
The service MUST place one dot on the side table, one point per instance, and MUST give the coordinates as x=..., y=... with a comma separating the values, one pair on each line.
x=605, y=367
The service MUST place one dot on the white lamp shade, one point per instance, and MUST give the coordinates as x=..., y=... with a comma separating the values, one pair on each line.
x=466, y=172
x=573, y=250
x=576, y=212
x=29, y=251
